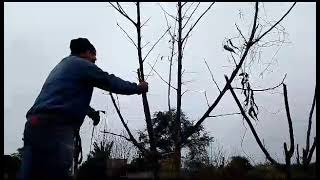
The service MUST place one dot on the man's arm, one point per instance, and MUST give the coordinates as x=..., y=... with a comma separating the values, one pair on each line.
x=109, y=82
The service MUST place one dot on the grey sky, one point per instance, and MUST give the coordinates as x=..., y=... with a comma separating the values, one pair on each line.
x=37, y=37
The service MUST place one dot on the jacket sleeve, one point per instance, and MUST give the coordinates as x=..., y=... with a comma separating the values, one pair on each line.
x=109, y=82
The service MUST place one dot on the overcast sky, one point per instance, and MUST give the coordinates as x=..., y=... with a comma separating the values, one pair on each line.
x=37, y=37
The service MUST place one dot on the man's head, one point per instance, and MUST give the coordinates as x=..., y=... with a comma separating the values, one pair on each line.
x=83, y=48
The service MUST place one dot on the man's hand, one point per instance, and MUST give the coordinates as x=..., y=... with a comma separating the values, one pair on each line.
x=94, y=115
x=143, y=87
x=96, y=118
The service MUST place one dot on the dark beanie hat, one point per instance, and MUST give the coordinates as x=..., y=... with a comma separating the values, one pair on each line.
x=81, y=45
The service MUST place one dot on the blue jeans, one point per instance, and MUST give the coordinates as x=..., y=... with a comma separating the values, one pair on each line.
x=48, y=152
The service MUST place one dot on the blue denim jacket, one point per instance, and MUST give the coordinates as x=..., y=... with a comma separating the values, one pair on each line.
x=67, y=90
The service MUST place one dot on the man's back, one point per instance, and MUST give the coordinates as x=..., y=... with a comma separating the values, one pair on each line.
x=65, y=92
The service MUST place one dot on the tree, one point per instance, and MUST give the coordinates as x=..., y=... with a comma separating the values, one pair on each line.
x=163, y=125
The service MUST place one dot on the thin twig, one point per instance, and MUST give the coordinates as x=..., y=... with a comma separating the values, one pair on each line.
x=266, y=89
x=197, y=21
x=190, y=15
x=241, y=33
x=155, y=44
x=168, y=13
x=205, y=95
x=152, y=67
x=187, y=10
x=121, y=11
x=145, y=22
x=161, y=76
x=275, y=23
x=212, y=75
x=132, y=41
x=145, y=45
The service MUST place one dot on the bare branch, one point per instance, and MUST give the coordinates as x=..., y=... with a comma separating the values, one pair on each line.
x=134, y=141
x=197, y=21
x=168, y=13
x=312, y=149
x=298, y=156
x=241, y=34
x=190, y=15
x=121, y=11
x=250, y=125
x=152, y=67
x=310, y=120
x=224, y=115
x=233, y=75
x=212, y=75
x=132, y=41
x=155, y=44
x=234, y=60
x=250, y=42
x=205, y=95
x=184, y=92
x=184, y=4
x=161, y=77
x=266, y=89
x=187, y=10
x=275, y=23
x=145, y=22
x=171, y=58
x=145, y=45
x=285, y=95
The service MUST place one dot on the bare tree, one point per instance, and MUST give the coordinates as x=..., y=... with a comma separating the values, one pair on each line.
x=152, y=154
x=180, y=36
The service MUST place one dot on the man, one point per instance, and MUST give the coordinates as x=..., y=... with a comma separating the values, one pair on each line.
x=59, y=111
